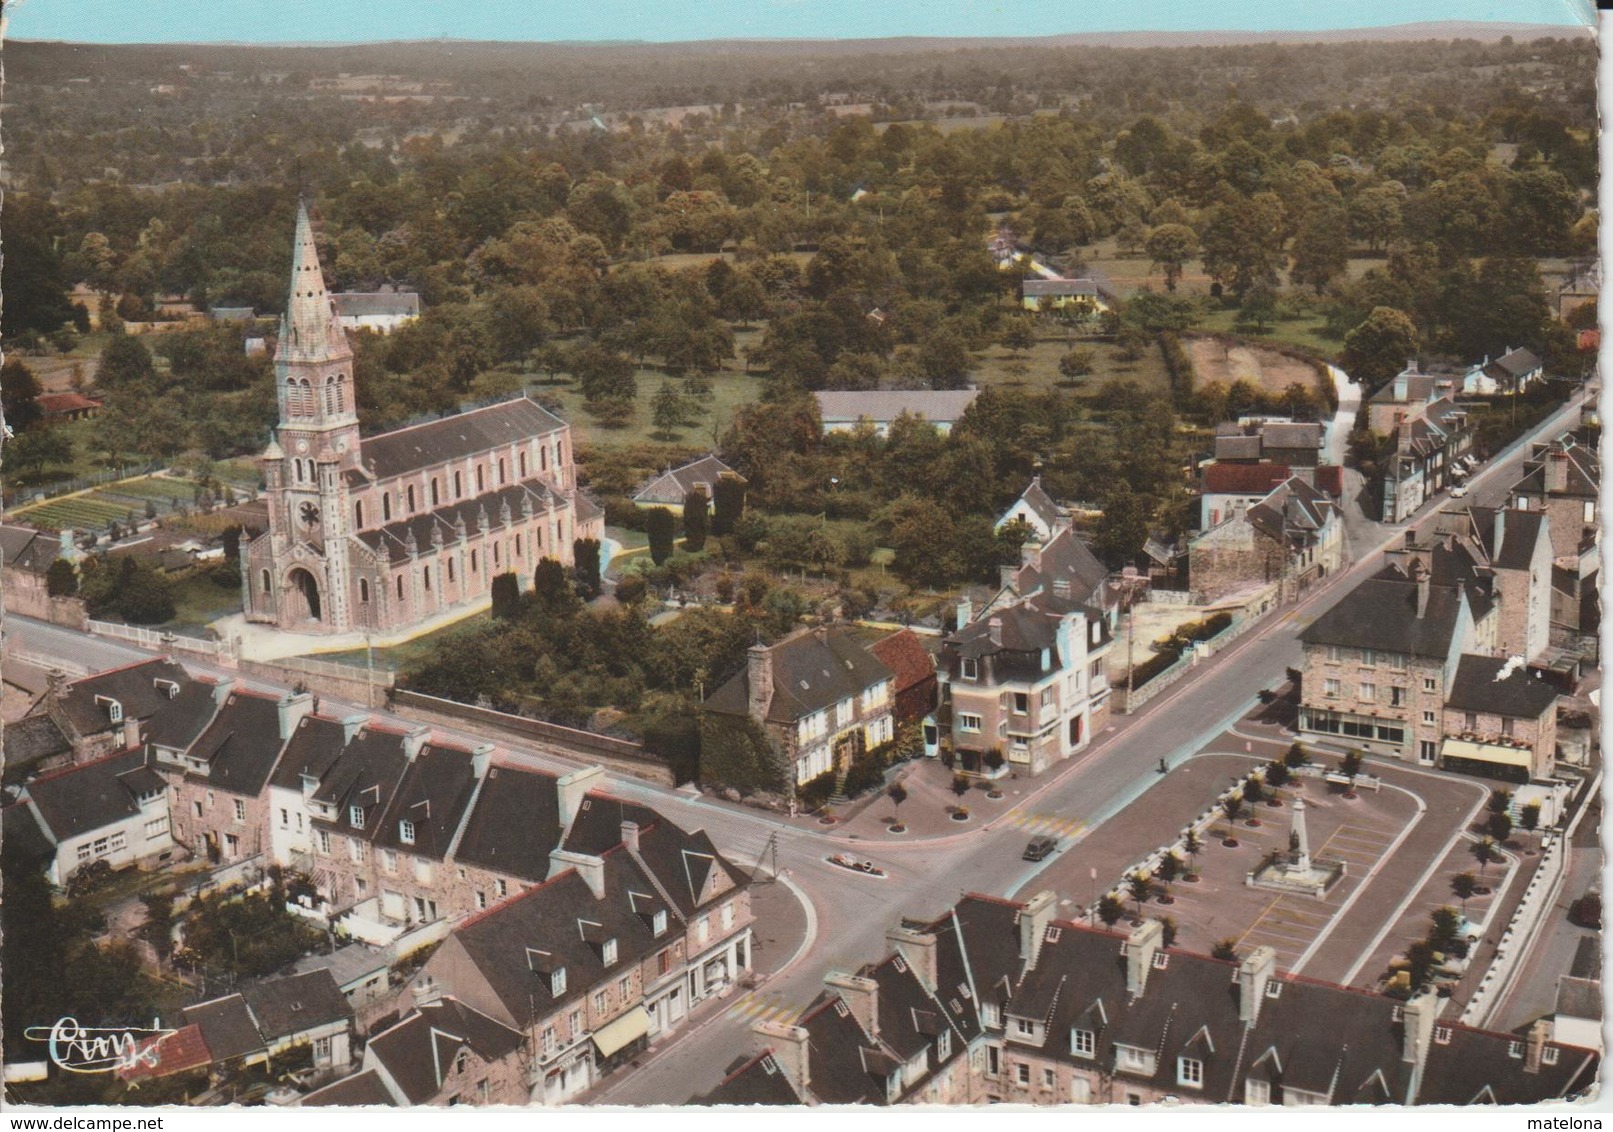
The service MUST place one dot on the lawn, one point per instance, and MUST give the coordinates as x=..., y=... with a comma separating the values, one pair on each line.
x=198, y=601
x=1038, y=367
x=729, y=390
x=1305, y=333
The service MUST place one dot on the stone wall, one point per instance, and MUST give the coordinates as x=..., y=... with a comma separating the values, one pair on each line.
x=26, y=596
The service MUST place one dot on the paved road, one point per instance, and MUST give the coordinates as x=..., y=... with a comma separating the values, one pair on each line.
x=853, y=913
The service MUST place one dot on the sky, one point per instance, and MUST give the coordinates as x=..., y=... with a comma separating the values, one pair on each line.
x=349, y=21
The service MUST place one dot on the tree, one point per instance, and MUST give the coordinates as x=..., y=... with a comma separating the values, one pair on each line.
x=1232, y=806
x=1321, y=251
x=1276, y=773
x=960, y=784
x=1379, y=347
x=1193, y=845
x=1076, y=363
x=1350, y=766
x=1463, y=886
x=1499, y=801
x=1296, y=756
x=1170, y=867
x=604, y=375
x=552, y=590
x=19, y=389
x=1486, y=851
x=695, y=520
x=1444, y=928
x=897, y=793
x=506, y=592
x=1123, y=527
x=1168, y=932
x=1499, y=826
x=125, y=363
x=1419, y=964
x=1170, y=246
x=666, y=410
x=1529, y=817
x=1110, y=909
x=1225, y=949
x=39, y=447
x=1254, y=791
x=1018, y=335
x=1258, y=309
x=61, y=579
x=728, y=504
x=660, y=525
x=1140, y=885
x=585, y=558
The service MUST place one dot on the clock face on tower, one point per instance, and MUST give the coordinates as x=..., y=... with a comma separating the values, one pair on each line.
x=302, y=445
x=309, y=513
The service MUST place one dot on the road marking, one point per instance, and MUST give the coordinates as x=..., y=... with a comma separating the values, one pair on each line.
x=1048, y=823
x=757, y=1008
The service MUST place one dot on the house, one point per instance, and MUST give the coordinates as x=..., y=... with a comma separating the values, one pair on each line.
x=32, y=551
x=1037, y=510
x=1064, y=563
x=820, y=698
x=913, y=679
x=1294, y=535
x=113, y=809
x=1060, y=294
x=671, y=487
x=1430, y=449
x=1024, y=1008
x=616, y=946
x=1582, y=285
x=1513, y=372
x=66, y=406
x=109, y=711
x=1563, y=479
x=272, y=1017
x=1296, y=444
x=1500, y=721
x=844, y=411
x=232, y=314
x=1025, y=681
x=382, y=311
x=1226, y=488
x=1407, y=395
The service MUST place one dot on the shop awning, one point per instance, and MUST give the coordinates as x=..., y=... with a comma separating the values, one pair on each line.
x=1487, y=752
x=628, y=1028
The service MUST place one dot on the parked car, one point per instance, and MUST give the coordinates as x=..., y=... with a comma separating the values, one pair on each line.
x=1040, y=848
x=1459, y=491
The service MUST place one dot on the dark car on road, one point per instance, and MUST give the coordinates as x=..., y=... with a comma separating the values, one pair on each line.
x=1040, y=848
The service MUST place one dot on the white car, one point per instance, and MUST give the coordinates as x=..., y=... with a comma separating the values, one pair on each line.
x=1459, y=491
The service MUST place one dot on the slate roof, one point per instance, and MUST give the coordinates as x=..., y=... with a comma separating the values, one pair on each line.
x=841, y=1073
x=32, y=739
x=433, y=794
x=242, y=743
x=464, y=434
x=1583, y=465
x=1478, y=1067
x=597, y=825
x=24, y=548
x=358, y=1091
x=758, y=1081
x=1032, y=288
x=1038, y=502
x=938, y=406
x=365, y=775
x=297, y=1003
x=514, y=823
x=809, y=673
x=907, y=658
x=93, y=795
x=1064, y=558
x=1520, y=530
x=362, y=304
x=1520, y=694
x=177, y=724
x=316, y=743
x=477, y=513
x=1291, y=434
x=1518, y=363
x=1579, y=998
x=227, y=1026
x=1381, y=613
x=419, y=1051
x=1419, y=388
x=1243, y=479
x=134, y=686
x=1294, y=513
x=670, y=487
x=1237, y=447
x=20, y=831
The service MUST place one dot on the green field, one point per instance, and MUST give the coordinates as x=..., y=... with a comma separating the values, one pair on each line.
x=198, y=601
x=1038, y=367
x=79, y=513
x=729, y=390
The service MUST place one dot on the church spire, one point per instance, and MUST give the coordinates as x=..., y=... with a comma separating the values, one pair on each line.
x=309, y=331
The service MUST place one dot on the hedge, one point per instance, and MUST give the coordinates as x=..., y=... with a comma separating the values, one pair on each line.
x=1171, y=650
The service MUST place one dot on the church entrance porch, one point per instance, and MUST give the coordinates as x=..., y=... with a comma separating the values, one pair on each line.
x=302, y=597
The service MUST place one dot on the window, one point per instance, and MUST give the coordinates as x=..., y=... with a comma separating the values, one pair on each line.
x=1049, y=694
x=324, y=842
x=608, y=952
x=364, y=591
x=663, y=962
x=406, y=832
x=993, y=1061
x=1190, y=1072
x=1022, y=703
x=702, y=930
x=1430, y=684
x=1256, y=1092
x=1024, y=1026
x=1130, y=1057
x=386, y=507
x=624, y=987
x=358, y=514
x=425, y=577
x=1427, y=750
x=1083, y=1043
x=265, y=586
x=422, y=871
x=502, y=468
x=658, y=922
x=1369, y=693
x=549, y=1042
x=523, y=465
x=481, y=899
x=1549, y=1054
x=400, y=587
x=600, y=999
x=1515, y=1049
x=968, y=722
x=355, y=816
x=459, y=485
x=1397, y=696
x=240, y=810
x=727, y=916
x=1022, y=1074
x=1335, y=654
x=1442, y=1035
x=1590, y=511
x=1080, y=1090
x=1470, y=720
x=450, y=569
x=1095, y=670
x=411, y=498
x=1506, y=725
x=197, y=805
x=389, y=861
x=1047, y=1079
x=355, y=849
x=1428, y=717
x=943, y=1045
x=574, y=1019
x=436, y=492
x=473, y=562
x=156, y=827
x=969, y=668
x=1330, y=689
x=502, y=887
x=462, y=1060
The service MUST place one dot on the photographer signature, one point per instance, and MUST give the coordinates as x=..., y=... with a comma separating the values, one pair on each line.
x=99, y=1049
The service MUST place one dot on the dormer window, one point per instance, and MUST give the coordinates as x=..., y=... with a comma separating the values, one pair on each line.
x=969, y=668
x=114, y=709
x=1083, y=1043
x=658, y=925
x=557, y=982
x=608, y=952
x=355, y=816
x=406, y=832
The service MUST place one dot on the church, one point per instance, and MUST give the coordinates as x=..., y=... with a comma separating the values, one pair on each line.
x=381, y=533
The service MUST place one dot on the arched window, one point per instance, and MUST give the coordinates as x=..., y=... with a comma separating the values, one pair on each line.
x=400, y=587
x=523, y=464
x=495, y=556
x=411, y=499
x=518, y=545
x=436, y=494
x=358, y=514
x=330, y=396
x=364, y=591
x=543, y=458
x=559, y=454
x=293, y=398
x=502, y=469
x=459, y=485
x=341, y=393
x=473, y=562
x=425, y=577
x=386, y=507
x=450, y=569
x=266, y=585
x=305, y=397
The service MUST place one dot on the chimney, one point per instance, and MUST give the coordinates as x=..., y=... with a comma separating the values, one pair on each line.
x=790, y=1051
x=572, y=788
x=590, y=868
x=1403, y=430
x=918, y=948
x=1418, y=1016
x=1500, y=530
x=293, y=706
x=1556, y=472
x=481, y=757
x=1422, y=596
x=426, y=991
x=630, y=835
x=759, y=675
x=351, y=726
x=1535, y=1046
x=861, y=994
x=1141, y=947
x=1006, y=576
x=1033, y=921
x=1253, y=975
x=1031, y=555
x=994, y=629
x=966, y=611
x=221, y=692
x=414, y=740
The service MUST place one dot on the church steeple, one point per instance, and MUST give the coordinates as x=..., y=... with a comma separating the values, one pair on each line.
x=309, y=331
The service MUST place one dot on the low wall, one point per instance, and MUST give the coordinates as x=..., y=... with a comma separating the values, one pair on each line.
x=347, y=683
x=619, y=755
x=26, y=595
x=1126, y=702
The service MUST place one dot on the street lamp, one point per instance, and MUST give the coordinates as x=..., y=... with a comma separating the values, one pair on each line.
x=1092, y=906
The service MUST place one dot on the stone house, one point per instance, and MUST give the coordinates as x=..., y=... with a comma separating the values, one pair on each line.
x=1513, y=372
x=1407, y=396
x=1026, y=680
x=1430, y=448
x=112, y=809
x=845, y=411
x=379, y=311
x=1037, y=510
x=1562, y=480
x=1294, y=535
x=820, y=697
x=1296, y=444
x=1227, y=488
x=1500, y=721
x=109, y=711
x=913, y=679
